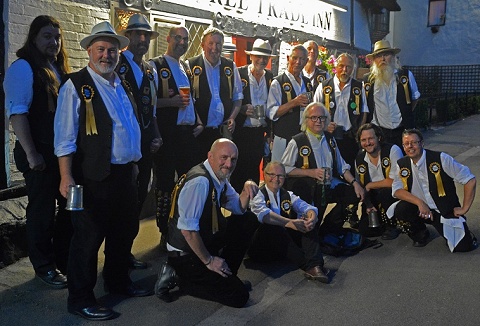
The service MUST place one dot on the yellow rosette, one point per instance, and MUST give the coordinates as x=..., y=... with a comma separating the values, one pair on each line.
x=229, y=73
x=357, y=92
x=165, y=76
x=404, y=174
x=305, y=152
x=327, y=90
x=386, y=165
x=287, y=88
x=362, y=170
x=404, y=81
x=286, y=206
x=91, y=126
x=435, y=169
x=197, y=71
x=175, y=191
x=367, y=87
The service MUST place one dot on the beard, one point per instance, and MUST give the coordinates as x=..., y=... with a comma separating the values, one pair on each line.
x=384, y=73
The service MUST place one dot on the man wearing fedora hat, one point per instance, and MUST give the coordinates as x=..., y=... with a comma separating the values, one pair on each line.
x=311, y=71
x=97, y=139
x=392, y=93
x=143, y=80
x=250, y=123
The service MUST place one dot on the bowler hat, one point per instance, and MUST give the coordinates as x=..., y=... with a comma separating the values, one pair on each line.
x=104, y=29
x=261, y=47
x=381, y=47
x=139, y=22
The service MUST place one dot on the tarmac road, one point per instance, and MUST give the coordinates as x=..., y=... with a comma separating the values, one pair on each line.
x=396, y=284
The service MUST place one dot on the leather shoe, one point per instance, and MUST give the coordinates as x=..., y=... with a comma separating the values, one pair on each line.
x=130, y=290
x=136, y=264
x=390, y=233
x=317, y=273
x=53, y=278
x=166, y=281
x=95, y=312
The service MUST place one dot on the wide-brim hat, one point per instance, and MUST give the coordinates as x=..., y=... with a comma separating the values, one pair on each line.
x=261, y=47
x=104, y=29
x=381, y=47
x=139, y=22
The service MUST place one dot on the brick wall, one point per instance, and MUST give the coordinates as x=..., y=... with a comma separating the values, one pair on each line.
x=76, y=20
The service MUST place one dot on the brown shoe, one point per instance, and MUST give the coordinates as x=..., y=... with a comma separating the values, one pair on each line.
x=317, y=273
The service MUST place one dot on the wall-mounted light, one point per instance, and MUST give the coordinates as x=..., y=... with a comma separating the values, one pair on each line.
x=436, y=14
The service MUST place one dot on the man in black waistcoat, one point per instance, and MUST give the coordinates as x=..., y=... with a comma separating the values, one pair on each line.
x=31, y=88
x=205, y=248
x=317, y=173
x=178, y=122
x=375, y=169
x=288, y=227
x=392, y=93
x=217, y=90
x=97, y=141
x=142, y=80
x=311, y=70
x=425, y=185
x=344, y=97
x=250, y=123
x=289, y=94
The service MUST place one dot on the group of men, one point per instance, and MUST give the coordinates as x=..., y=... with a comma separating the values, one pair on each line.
x=110, y=122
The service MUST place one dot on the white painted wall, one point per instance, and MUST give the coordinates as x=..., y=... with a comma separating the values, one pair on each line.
x=456, y=43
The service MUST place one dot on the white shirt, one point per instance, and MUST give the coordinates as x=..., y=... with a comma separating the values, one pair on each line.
x=258, y=204
x=258, y=95
x=125, y=132
x=342, y=97
x=387, y=113
x=420, y=186
x=376, y=170
x=323, y=156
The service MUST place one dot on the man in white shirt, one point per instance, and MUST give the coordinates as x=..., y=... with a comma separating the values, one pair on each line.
x=217, y=90
x=425, y=185
x=97, y=141
x=311, y=71
x=392, y=93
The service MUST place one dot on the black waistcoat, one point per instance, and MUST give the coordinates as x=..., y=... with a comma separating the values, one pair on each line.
x=286, y=208
x=362, y=165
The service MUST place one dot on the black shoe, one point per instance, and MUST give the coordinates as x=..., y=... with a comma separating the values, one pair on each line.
x=53, y=278
x=95, y=312
x=248, y=285
x=423, y=239
x=166, y=281
x=130, y=290
x=390, y=233
x=136, y=264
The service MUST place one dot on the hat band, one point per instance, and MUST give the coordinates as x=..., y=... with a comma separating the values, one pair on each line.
x=262, y=50
x=134, y=26
x=105, y=32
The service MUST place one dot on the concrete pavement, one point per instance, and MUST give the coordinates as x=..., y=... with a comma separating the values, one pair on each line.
x=396, y=284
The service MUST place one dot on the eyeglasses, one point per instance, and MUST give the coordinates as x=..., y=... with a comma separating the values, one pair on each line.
x=273, y=176
x=315, y=118
x=178, y=38
x=412, y=143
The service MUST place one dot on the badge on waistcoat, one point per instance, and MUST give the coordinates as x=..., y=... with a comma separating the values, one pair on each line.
x=178, y=185
x=367, y=87
x=356, y=92
x=404, y=81
x=91, y=126
x=327, y=90
x=404, y=174
x=286, y=205
x=333, y=144
x=362, y=170
x=320, y=79
x=287, y=88
x=309, y=87
x=152, y=89
x=435, y=169
x=229, y=73
x=386, y=164
x=197, y=71
x=244, y=83
x=305, y=152
x=165, y=76
x=123, y=69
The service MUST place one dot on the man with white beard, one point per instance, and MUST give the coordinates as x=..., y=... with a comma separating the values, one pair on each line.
x=392, y=93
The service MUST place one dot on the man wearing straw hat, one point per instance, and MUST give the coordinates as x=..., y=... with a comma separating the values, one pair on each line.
x=250, y=123
x=392, y=93
x=142, y=80
x=97, y=141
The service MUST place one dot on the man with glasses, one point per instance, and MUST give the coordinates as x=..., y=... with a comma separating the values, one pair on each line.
x=287, y=99
x=317, y=172
x=392, y=93
x=288, y=227
x=177, y=120
x=425, y=185
x=344, y=97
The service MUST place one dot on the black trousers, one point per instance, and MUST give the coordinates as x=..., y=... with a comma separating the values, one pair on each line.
x=231, y=244
x=273, y=242
x=393, y=136
x=206, y=139
x=407, y=214
x=49, y=229
x=109, y=214
x=250, y=143
x=348, y=148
